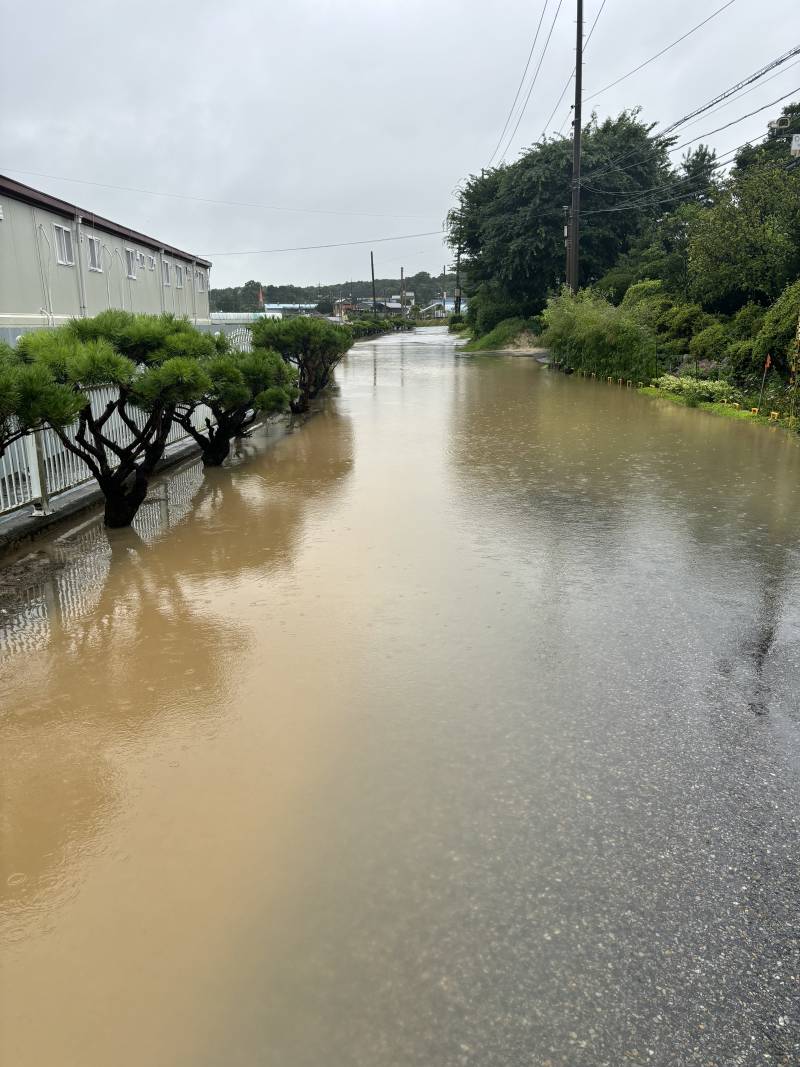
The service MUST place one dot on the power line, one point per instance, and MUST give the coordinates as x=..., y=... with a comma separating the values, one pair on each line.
x=535, y=76
x=741, y=118
x=572, y=75
x=521, y=83
x=337, y=244
x=663, y=51
x=756, y=76
x=208, y=200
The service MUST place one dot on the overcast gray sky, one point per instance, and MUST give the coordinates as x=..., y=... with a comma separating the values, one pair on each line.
x=371, y=111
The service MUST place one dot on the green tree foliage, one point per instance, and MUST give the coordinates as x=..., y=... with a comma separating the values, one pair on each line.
x=240, y=387
x=510, y=221
x=426, y=289
x=29, y=396
x=747, y=246
x=775, y=148
x=143, y=387
x=697, y=175
x=313, y=346
x=776, y=337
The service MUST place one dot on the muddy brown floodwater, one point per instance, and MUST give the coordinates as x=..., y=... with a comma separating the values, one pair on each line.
x=459, y=726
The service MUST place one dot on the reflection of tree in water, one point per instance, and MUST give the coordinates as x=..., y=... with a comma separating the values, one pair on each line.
x=147, y=649
x=250, y=517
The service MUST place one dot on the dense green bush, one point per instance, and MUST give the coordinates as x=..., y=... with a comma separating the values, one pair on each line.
x=696, y=390
x=747, y=322
x=589, y=333
x=777, y=333
x=741, y=364
x=710, y=343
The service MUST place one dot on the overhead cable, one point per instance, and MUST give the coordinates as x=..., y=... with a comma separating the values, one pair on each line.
x=208, y=200
x=336, y=244
x=663, y=51
x=521, y=83
x=569, y=79
x=533, y=82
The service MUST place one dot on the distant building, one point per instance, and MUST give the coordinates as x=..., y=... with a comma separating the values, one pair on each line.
x=59, y=261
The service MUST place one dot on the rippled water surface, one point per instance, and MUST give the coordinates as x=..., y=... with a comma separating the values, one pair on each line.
x=458, y=726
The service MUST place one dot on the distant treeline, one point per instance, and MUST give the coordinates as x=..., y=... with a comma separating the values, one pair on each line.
x=425, y=288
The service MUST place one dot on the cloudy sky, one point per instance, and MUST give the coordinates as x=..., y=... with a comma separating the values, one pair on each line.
x=320, y=122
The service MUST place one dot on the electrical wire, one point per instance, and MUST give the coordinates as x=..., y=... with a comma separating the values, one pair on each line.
x=756, y=76
x=336, y=244
x=569, y=79
x=663, y=51
x=535, y=76
x=519, y=87
x=741, y=118
x=208, y=200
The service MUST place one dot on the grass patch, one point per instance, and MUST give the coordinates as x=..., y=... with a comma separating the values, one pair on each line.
x=727, y=411
x=503, y=335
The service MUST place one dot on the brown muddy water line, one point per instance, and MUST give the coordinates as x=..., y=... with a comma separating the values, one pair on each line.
x=459, y=726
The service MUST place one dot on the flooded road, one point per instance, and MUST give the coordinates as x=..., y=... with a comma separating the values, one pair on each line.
x=459, y=726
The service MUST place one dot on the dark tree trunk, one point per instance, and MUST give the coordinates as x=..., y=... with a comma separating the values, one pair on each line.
x=217, y=450
x=123, y=501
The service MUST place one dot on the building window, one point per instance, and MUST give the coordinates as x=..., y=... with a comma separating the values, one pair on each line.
x=178, y=276
x=165, y=272
x=201, y=282
x=95, y=253
x=140, y=259
x=64, y=253
x=130, y=259
x=151, y=262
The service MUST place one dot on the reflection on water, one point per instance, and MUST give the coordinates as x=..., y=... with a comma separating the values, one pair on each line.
x=445, y=729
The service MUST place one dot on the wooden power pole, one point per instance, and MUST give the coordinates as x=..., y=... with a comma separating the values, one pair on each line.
x=574, y=220
x=374, y=300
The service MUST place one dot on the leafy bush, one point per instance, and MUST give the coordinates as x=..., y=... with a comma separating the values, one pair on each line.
x=590, y=334
x=777, y=333
x=742, y=366
x=710, y=343
x=747, y=322
x=695, y=390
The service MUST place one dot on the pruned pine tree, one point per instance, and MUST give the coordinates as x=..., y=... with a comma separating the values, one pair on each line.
x=125, y=402
x=312, y=346
x=241, y=387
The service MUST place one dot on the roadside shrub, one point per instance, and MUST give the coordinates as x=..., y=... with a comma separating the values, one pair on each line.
x=741, y=364
x=615, y=283
x=589, y=333
x=695, y=390
x=747, y=322
x=776, y=336
x=710, y=343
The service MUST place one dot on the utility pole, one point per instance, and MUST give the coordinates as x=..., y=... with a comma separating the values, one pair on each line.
x=574, y=222
x=402, y=291
x=566, y=244
x=374, y=301
x=457, y=304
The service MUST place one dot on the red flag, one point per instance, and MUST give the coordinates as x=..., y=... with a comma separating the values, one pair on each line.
x=768, y=363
